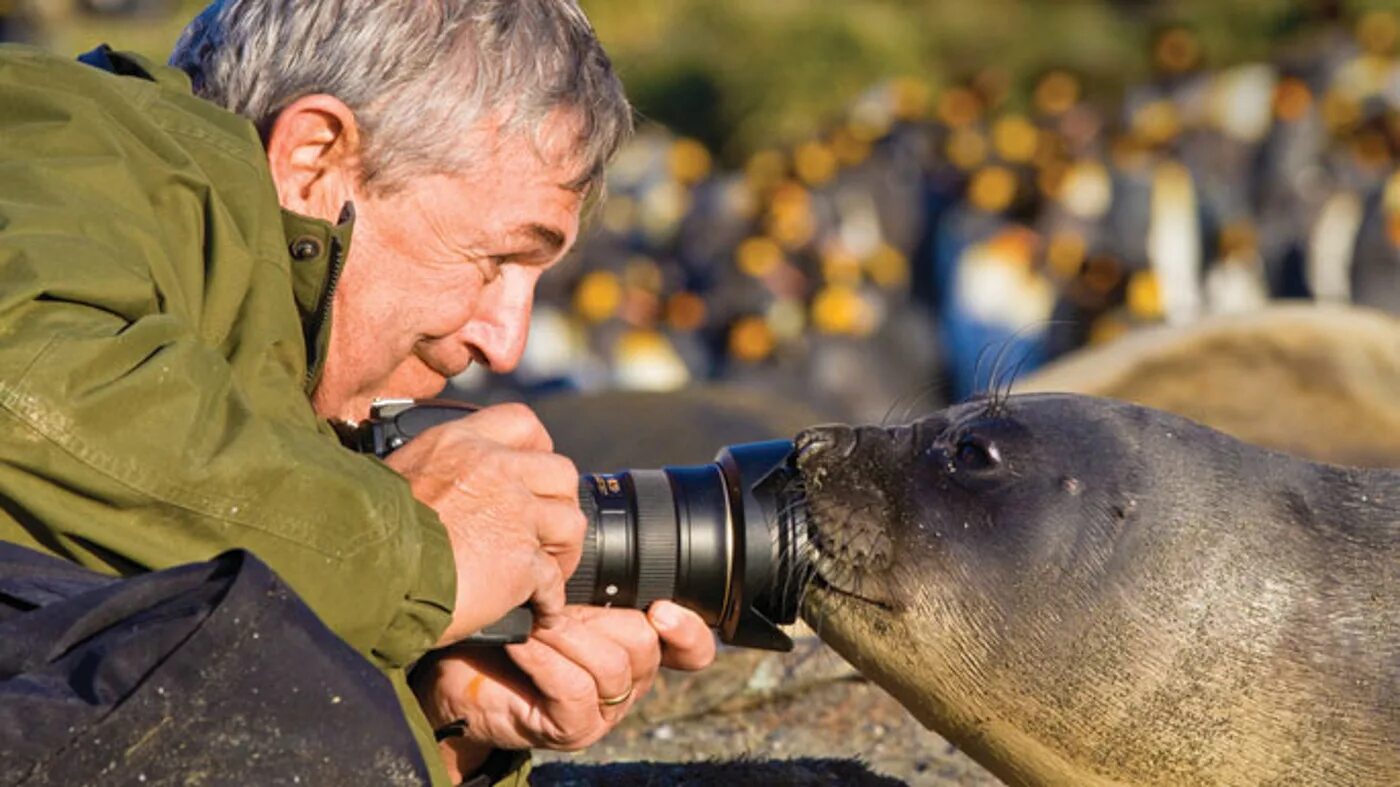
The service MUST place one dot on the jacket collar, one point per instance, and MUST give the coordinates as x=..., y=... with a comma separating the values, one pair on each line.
x=317, y=250
x=130, y=64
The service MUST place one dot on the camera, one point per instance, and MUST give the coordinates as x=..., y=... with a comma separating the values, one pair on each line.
x=728, y=539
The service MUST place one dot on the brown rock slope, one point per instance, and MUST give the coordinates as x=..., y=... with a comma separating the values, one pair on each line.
x=1321, y=382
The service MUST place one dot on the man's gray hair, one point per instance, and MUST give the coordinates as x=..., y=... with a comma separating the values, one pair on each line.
x=418, y=74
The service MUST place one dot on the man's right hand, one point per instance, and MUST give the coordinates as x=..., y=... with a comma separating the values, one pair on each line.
x=510, y=505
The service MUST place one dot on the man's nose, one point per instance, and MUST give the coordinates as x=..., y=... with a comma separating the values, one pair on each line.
x=498, y=329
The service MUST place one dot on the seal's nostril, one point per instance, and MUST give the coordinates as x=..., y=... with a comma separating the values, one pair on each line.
x=820, y=439
x=808, y=444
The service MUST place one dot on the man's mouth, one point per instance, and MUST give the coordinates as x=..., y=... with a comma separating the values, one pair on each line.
x=446, y=368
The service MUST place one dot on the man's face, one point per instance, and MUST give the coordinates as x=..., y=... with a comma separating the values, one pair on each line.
x=442, y=272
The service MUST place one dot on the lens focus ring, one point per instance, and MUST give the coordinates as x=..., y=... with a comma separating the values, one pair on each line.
x=657, y=543
x=581, y=586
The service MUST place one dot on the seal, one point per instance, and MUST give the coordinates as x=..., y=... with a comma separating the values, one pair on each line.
x=1083, y=591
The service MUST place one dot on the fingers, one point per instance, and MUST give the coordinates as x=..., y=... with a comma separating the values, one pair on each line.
x=548, y=596
x=568, y=685
x=513, y=424
x=591, y=649
x=687, y=642
x=631, y=631
x=584, y=677
x=560, y=528
x=537, y=472
x=546, y=475
x=559, y=524
x=510, y=507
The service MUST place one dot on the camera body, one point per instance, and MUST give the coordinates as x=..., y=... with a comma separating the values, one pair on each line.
x=726, y=539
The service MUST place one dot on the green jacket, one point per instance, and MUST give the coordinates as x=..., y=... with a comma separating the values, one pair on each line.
x=158, y=338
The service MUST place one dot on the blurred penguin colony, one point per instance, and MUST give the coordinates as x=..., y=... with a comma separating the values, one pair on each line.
x=934, y=241
x=931, y=239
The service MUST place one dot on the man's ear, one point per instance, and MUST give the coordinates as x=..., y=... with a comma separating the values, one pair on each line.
x=313, y=151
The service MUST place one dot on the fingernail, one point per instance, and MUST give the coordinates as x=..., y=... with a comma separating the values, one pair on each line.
x=665, y=616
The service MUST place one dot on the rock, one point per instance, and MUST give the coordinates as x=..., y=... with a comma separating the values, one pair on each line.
x=1321, y=382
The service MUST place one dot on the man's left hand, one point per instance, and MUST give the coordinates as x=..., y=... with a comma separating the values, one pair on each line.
x=564, y=688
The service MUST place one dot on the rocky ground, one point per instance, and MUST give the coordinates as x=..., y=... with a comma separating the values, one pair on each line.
x=759, y=705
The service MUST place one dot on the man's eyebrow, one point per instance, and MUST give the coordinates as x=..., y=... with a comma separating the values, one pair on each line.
x=550, y=238
x=581, y=184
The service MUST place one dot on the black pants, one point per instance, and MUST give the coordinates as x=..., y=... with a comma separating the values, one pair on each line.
x=212, y=673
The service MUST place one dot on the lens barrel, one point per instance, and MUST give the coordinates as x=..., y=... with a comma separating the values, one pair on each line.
x=724, y=539
x=629, y=553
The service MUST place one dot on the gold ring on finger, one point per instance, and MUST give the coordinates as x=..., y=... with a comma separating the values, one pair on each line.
x=609, y=702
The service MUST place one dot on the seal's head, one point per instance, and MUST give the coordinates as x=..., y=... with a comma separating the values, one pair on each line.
x=978, y=496
x=1076, y=589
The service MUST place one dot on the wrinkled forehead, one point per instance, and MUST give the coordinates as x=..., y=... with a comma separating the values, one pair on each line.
x=561, y=140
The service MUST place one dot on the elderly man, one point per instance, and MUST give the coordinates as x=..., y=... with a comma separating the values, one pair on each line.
x=173, y=343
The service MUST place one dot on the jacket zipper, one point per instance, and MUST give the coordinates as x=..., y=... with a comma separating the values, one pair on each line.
x=323, y=308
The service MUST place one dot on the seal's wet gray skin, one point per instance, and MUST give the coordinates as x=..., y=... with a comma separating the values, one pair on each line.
x=1080, y=591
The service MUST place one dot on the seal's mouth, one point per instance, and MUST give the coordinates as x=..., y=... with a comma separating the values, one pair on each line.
x=849, y=549
x=822, y=583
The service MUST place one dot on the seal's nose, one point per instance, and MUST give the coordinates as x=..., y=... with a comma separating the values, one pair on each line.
x=818, y=440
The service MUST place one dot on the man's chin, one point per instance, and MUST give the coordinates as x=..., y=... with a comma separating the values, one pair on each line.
x=353, y=406
x=347, y=409
x=423, y=386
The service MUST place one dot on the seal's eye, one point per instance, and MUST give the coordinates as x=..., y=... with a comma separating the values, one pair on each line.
x=975, y=454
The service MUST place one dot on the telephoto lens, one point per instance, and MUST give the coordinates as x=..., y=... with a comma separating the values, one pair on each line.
x=728, y=539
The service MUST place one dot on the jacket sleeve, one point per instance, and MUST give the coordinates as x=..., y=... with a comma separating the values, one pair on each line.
x=151, y=408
